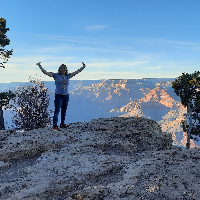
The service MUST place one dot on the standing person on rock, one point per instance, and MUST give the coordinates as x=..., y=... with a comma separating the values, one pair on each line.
x=61, y=93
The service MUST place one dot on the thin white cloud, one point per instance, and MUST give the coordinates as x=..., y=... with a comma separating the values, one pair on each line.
x=178, y=42
x=49, y=49
x=98, y=75
x=96, y=27
x=64, y=38
x=154, y=41
x=69, y=48
x=67, y=38
x=119, y=64
x=158, y=67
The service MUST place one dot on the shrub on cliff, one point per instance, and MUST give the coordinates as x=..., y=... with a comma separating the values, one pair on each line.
x=30, y=107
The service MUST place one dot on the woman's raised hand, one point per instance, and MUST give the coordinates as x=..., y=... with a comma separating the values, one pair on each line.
x=83, y=64
x=38, y=64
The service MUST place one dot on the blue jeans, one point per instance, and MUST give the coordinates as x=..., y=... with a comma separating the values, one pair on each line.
x=61, y=101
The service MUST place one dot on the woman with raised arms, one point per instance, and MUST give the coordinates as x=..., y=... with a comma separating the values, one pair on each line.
x=61, y=92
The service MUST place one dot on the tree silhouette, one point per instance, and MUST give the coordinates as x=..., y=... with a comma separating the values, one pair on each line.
x=4, y=101
x=4, y=54
x=187, y=87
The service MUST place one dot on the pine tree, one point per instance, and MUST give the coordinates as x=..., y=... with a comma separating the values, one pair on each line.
x=187, y=87
x=4, y=41
x=4, y=55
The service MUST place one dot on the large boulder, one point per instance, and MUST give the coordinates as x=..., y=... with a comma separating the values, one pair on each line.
x=122, y=135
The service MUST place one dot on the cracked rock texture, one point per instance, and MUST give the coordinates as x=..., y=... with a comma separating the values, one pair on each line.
x=114, y=158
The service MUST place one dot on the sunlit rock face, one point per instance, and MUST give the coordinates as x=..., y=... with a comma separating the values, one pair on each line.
x=141, y=98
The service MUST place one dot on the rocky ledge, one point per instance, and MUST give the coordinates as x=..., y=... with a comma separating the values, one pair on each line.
x=114, y=158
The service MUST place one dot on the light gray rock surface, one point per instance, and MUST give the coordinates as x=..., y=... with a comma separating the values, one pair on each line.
x=115, y=158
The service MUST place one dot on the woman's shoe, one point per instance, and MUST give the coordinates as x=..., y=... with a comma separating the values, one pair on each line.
x=55, y=128
x=63, y=126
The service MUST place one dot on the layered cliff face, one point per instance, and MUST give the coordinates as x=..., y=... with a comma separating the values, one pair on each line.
x=110, y=158
x=155, y=103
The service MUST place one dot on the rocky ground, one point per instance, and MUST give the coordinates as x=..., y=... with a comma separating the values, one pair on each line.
x=114, y=158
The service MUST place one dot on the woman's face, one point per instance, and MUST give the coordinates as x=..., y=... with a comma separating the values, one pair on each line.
x=63, y=70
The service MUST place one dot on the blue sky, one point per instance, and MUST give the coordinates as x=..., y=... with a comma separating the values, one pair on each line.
x=117, y=39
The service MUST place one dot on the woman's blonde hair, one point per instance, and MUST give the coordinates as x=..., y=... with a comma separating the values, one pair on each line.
x=63, y=65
